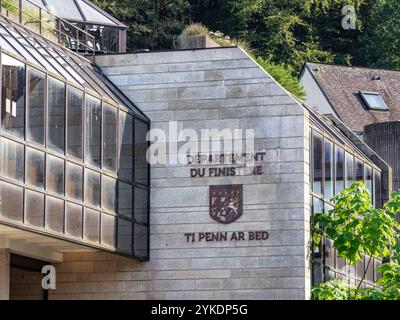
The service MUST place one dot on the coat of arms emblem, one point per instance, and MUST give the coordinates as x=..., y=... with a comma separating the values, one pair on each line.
x=226, y=205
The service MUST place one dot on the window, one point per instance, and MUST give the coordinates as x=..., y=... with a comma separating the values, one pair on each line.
x=125, y=236
x=339, y=179
x=108, y=230
x=55, y=175
x=141, y=240
x=377, y=189
x=141, y=166
x=13, y=96
x=56, y=115
x=35, y=167
x=74, y=181
x=318, y=160
x=368, y=178
x=141, y=205
x=92, y=188
x=74, y=122
x=93, y=131
x=359, y=170
x=11, y=202
x=109, y=137
x=12, y=159
x=73, y=223
x=329, y=254
x=108, y=196
x=349, y=169
x=125, y=200
x=328, y=190
x=54, y=214
x=35, y=106
x=34, y=211
x=125, y=148
x=373, y=101
x=91, y=230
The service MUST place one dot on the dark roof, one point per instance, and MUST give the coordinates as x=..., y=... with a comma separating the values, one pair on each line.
x=78, y=11
x=341, y=85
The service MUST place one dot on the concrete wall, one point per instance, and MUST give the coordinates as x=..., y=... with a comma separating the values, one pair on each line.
x=213, y=88
x=314, y=95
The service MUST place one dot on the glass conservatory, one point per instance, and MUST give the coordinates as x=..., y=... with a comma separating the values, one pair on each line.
x=110, y=34
x=72, y=158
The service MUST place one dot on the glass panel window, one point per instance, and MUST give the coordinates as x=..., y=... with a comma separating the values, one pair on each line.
x=368, y=178
x=35, y=167
x=360, y=268
x=141, y=205
x=369, y=266
x=349, y=169
x=56, y=115
x=125, y=148
x=13, y=96
x=141, y=240
x=93, y=131
x=74, y=122
x=108, y=196
x=329, y=254
x=11, y=202
x=34, y=210
x=125, y=200
x=109, y=137
x=339, y=179
x=35, y=108
x=92, y=188
x=108, y=230
x=54, y=214
x=328, y=190
x=318, y=162
x=55, y=175
x=91, y=230
x=12, y=159
x=377, y=189
x=74, y=181
x=359, y=170
x=141, y=166
x=125, y=236
x=73, y=223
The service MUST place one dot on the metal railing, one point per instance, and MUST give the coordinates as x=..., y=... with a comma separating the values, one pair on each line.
x=48, y=25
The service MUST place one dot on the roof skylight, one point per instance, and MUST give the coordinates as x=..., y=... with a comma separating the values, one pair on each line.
x=373, y=101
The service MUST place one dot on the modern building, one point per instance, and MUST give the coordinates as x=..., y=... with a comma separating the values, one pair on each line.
x=367, y=101
x=77, y=193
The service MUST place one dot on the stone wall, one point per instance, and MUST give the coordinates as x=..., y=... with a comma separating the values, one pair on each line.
x=200, y=89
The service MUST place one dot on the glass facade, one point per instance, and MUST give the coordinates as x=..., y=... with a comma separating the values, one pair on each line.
x=334, y=167
x=69, y=162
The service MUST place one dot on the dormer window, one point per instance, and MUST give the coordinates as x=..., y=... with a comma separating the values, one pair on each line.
x=373, y=101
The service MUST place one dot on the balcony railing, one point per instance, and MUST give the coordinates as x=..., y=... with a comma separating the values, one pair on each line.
x=48, y=25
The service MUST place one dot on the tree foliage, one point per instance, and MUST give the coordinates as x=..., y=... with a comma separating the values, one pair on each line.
x=285, y=32
x=357, y=228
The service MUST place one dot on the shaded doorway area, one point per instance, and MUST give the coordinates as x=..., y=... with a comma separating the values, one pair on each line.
x=26, y=278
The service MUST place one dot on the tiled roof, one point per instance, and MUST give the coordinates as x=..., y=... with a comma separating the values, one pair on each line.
x=342, y=85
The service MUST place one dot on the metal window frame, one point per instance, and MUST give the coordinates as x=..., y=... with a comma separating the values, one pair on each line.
x=66, y=158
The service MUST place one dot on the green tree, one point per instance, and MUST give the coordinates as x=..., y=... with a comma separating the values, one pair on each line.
x=357, y=228
x=380, y=42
